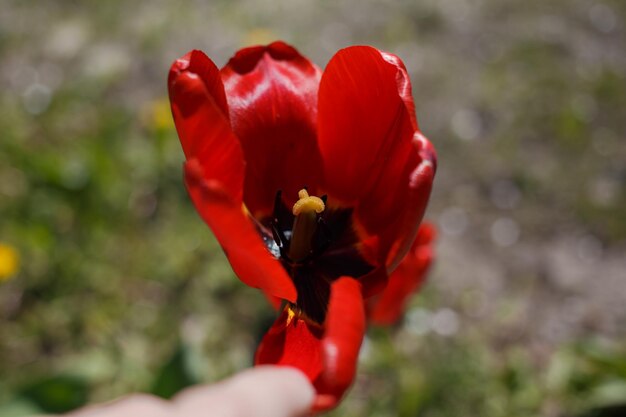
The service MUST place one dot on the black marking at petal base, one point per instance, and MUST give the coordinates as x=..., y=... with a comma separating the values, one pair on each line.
x=282, y=216
x=334, y=253
x=322, y=238
x=343, y=262
x=279, y=237
x=313, y=293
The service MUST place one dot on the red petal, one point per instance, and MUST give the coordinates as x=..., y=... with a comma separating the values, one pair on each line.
x=225, y=215
x=292, y=341
x=328, y=355
x=272, y=94
x=365, y=129
x=387, y=307
x=415, y=202
x=215, y=169
x=404, y=85
x=345, y=327
x=197, y=97
x=368, y=140
x=200, y=114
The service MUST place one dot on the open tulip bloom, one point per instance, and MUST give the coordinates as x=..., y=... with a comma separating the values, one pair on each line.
x=314, y=184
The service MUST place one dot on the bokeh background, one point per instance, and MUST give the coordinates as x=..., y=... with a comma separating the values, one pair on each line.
x=111, y=283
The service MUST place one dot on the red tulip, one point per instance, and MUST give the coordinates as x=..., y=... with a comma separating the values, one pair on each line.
x=388, y=306
x=267, y=134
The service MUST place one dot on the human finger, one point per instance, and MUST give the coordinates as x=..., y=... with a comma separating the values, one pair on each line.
x=263, y=391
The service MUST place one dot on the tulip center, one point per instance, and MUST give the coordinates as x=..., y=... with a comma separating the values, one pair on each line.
x=316, y=244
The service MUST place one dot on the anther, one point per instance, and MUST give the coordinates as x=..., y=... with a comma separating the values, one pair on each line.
x=306, y=210
x=307, y=203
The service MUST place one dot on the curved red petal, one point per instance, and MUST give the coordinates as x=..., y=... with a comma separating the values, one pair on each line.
x=387, y=307
x=364, y=126
x=405, y=90
x=344, y=330
x=243, y=246
x=292, y=341
x=272, y=95
x=198, y=104
x=415, y=202
x=214, y=173
x=367, y=137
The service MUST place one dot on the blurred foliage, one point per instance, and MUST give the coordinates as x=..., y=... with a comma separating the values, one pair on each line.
x=57, y=394
x=173, y=376
x=120, y=287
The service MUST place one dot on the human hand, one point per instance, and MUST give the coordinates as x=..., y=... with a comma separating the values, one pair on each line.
x=263, y=391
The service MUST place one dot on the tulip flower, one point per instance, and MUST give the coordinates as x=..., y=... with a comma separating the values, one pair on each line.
x=388, y=306
x=313, y=183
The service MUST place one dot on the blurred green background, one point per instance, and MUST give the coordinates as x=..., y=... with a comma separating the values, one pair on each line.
x=120, y=286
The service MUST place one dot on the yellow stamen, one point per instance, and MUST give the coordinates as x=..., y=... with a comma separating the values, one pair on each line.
x=290, y=314
x=307, y=203
x=306, y=210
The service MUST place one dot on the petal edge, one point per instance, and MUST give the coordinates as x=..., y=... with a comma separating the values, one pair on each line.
x=243, y=246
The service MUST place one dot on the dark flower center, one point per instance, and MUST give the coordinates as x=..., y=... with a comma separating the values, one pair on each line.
x=316, y=244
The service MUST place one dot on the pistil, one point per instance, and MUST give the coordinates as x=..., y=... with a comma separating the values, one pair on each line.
x=306, y=212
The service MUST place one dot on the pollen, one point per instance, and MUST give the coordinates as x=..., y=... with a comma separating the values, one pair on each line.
x=290, y=314
x=307, y=203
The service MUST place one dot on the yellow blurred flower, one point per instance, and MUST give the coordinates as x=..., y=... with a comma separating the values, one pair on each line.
x=157, y=114
x=9, y=262
x=259, y=36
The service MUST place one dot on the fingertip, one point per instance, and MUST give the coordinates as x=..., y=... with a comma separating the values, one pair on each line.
x=264, y=391
x=132, y=405
x=290, y=391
